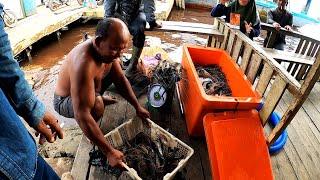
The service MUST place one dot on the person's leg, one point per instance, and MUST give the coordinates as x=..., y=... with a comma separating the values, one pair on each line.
x=149, y=9
x=109, y=8
x=98, y=108
x=105, y=84
x=136, y=28
x=44, y=171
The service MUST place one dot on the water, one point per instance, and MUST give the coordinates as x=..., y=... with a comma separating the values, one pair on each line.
x=48, y=51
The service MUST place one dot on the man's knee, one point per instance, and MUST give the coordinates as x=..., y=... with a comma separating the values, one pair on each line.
x=98, y=108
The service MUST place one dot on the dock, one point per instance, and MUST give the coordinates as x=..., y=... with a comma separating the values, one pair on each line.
x=46, y=22
x=162, y=11
x=300, y=158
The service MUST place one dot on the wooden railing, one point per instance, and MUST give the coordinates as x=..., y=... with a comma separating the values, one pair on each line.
x=269, y=78
x=307, y=47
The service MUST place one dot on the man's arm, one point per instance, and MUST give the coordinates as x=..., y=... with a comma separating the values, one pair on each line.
x=14, y=85
x=125, y=89
x=83, y=100
x=20, y=94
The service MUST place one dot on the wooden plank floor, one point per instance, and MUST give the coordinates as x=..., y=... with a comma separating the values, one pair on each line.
x=301, y=156
x=198, y=166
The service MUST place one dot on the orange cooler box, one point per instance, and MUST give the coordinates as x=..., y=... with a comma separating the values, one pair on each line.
x=237, y=147
x=196, y=102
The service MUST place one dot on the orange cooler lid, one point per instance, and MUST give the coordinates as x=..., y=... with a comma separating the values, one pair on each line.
x=236, y=145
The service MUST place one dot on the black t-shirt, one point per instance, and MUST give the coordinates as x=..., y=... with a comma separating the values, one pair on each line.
x=284, y=18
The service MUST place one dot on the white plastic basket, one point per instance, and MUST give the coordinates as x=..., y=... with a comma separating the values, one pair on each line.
x=131, y=128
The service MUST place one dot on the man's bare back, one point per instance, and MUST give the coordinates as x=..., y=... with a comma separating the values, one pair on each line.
x=80, y=59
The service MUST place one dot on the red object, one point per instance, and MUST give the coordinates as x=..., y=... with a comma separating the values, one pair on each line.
x=196, y=102
x=237, y=147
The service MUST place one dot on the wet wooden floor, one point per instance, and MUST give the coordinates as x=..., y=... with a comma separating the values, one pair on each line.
x=198, y=166
x=299, y=160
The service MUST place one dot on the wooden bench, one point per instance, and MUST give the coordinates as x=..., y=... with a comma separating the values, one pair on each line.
x=193, y=28
x=292, y=59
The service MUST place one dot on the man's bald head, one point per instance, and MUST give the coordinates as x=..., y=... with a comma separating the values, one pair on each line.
x=112, y=38
x=112, y=27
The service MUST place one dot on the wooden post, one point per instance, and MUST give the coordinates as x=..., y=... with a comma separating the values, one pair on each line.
x=278, y=87
x=272, y=39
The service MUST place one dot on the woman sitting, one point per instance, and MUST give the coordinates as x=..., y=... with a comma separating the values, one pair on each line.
x=249, y=18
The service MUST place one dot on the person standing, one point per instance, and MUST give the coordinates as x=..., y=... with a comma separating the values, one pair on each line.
x=131, y=13
x=19, y=158
x=279, y=17
x=249, y=18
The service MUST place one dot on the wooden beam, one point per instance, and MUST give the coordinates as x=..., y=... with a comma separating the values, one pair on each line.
x=226, y=33
x=283, y=31
x=253, y=67
x=296, y=66
x=312, y=45
x=237, y=49
x=290, y=57
x=315, y=50
x=230, y=42
x=272, y=39
x=246, y=57
x=272, y=62
x=277, y=89
x=302, y=71
x=305, y=47
x=305, y=90
x=298, y=49
x=264, y=80
x=193, y=28
x=221, y=29
x=81, y=162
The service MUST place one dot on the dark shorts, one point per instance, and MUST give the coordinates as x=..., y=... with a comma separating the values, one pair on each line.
x=63, y=105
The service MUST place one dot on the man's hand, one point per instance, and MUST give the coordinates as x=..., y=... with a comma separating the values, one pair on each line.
x=276, y=26
x=115, y=158
x=49, y=128
x=248, y=27
x=288, y=28
x=142, y=113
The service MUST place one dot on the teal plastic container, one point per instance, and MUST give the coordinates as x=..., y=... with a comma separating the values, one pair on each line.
x=29, y=7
